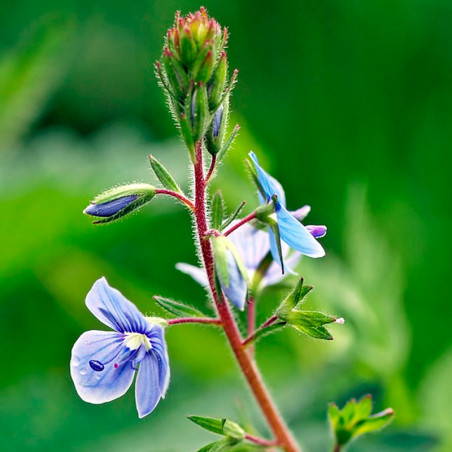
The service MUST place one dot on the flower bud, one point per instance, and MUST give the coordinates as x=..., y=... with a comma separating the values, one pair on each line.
x=217, y=82
x=119, y=201
x=217, y=129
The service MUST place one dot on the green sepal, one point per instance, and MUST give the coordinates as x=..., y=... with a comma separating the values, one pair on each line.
x=294, y=298
x=214, y=144
x=223, y=445
x=255, y=178
x=217, y=210
x=233, y=216
x=177, y=308
x=228, y=142
x=164, y=176
x=203, y=66
x=218, y=81
x=223, y=426
x=187, y=135
x=355, y=419
x=177, y=78
x=310, y=323
x=144, y=193
x=220, y=249
x=188, y=50
x=200, y=111
x=265, y=213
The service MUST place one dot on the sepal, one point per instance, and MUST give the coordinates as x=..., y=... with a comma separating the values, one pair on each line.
x=230, y=270
x=355, y=419
x=293, y=299
x=119, y=201
x=223, y=426
x=217, y=210
x=164, y=176
x=177, y=308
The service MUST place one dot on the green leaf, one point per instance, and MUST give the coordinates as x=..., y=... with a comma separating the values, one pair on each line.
x=164, y=176
x=228, y=143
x=223, y=445
x=355, y=420
x=260, y=333
x=310, y=323
x=217, y=210
x=293, y=299
x=233, y=216
x=177, y=308
x=223, y=426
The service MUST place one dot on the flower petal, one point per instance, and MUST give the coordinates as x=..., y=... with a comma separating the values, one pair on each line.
x=157, y=338
x=252, y=244
x=317, y=231
x=296, y=235
x=114, y=310
x=104, y=349
x=236, y=289
x=269, y=184
x=198, y=274
x=147, y=387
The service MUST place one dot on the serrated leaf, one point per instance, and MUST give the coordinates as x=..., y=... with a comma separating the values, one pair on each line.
x=233, y=216
x=164, y=176
x=217, y=210
x=177, y=308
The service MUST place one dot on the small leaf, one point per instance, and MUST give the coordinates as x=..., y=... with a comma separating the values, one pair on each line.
x=293, y=299
x=217, y=210
x=223, y=445
x=374, y=423
x=354, y=420
x=223, y=427
x=164, y=176
x=228, y=143
x=310, y=323
x=233, y=216
x=177, y=308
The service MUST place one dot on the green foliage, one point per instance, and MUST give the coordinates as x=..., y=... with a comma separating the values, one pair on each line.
x=177, y=308
x=355, y=419
x=164, y=176
x=217, y=210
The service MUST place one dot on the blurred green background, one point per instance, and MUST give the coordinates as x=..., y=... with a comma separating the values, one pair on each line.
x=349, y=105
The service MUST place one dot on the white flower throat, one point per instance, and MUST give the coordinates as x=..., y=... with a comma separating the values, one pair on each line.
x=134, y=341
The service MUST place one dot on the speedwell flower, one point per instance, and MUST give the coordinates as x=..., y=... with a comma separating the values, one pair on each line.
x=103, y=363
x=291, y=231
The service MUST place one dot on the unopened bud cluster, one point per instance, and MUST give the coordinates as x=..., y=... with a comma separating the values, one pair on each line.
x=193, y=72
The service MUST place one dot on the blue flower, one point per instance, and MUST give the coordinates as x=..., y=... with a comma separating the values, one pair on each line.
x=291, y=231
x=103, y=363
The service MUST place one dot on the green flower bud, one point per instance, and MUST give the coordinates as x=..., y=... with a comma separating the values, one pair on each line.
x=119, y=201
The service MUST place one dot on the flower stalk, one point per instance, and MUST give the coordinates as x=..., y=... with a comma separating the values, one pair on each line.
x=246, y=363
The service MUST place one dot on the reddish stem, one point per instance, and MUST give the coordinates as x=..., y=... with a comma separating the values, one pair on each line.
x=252, y=335
x=261, y=441
x=212, y=168
x=174, y=194
x=248, y=218
x=246, y=363
x=337, y=448
x=194, y=320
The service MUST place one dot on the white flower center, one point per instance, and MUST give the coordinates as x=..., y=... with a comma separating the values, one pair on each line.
x=133, y=341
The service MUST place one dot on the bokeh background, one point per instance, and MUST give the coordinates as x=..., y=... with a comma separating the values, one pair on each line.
x=348, y=104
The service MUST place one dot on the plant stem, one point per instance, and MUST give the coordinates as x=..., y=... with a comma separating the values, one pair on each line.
x=249, y=217
x=252, y=335
x=260, y=441
x=337, y=448
x=245, y=362
x=212, y=168
x=174, y=194
x=208, y=321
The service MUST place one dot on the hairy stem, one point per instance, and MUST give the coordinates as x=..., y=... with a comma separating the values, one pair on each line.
x=174, y=194
x=251, y=321
x=252, y=335
x=260, y=441
x=205, y=320
x=248, y=218
x=337, y=448
x=212, y=168
x=245, y=362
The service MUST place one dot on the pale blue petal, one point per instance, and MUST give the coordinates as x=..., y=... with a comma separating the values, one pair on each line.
x=114, y=310
x=198, y=274
x=296, y=236
x=147, y=387
x=237, y=289
x=157, y=338
x=274, y=274
x=251, y=243
x=107, y=348
x=269, y=184
x=301, y=213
